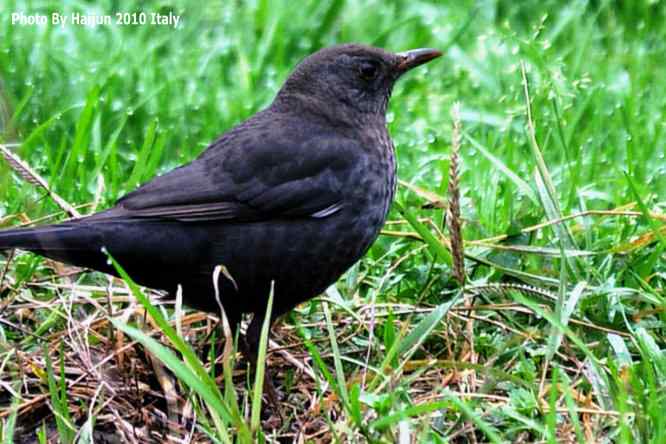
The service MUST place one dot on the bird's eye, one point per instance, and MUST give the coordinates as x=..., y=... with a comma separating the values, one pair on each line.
x=368, y=70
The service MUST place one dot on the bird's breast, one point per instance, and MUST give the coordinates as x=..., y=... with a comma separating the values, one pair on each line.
x=306, y=255
x=373, y=184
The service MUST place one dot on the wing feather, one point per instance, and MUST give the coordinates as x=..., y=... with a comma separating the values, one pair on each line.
x=244, y=176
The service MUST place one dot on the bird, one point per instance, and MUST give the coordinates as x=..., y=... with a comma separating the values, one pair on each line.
x=287, y=200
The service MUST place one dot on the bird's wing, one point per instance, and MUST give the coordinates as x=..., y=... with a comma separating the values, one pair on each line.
x=246, y=177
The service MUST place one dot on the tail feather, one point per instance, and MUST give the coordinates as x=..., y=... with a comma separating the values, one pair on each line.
x=43, y=238
x=73, y=243
x=147, y=248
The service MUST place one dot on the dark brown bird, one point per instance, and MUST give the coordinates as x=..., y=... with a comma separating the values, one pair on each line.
x=296, y=194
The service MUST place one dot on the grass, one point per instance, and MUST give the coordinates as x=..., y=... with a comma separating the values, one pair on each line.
x=562, y=172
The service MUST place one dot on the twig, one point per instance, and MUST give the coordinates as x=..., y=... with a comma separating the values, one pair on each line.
x=29, y=175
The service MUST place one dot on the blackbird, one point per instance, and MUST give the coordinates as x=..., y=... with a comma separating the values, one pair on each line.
x=294, y=195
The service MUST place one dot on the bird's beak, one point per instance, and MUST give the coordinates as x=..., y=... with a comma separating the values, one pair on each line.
x=415, y=57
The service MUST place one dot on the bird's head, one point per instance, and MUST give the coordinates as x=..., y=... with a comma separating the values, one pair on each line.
x=358, y=78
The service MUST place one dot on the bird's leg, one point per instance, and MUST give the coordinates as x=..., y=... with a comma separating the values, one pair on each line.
x=234, y=323
x=250, y=348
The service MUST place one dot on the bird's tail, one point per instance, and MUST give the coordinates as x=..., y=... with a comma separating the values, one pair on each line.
x=74, y=234
x=32, y=239
x=71, y=243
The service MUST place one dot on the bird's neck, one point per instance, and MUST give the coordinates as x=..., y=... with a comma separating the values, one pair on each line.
x=329, y=111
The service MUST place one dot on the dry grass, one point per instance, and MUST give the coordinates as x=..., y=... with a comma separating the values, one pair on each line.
x=133, y=398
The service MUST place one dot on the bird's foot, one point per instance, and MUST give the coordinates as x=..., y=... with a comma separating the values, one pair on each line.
x=273, y=396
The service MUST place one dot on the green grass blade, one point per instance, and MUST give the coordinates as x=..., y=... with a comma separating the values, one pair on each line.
x=409, y=412
x=487, y=430
x=404, y=348
x=522, y=185
x=192, y=360
x=339, y=370
x=261, y=366
x=141, y=163
x=646, y=212
x=436, y=247
x=182, y=372
x=64, y=425
x=8, y=426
